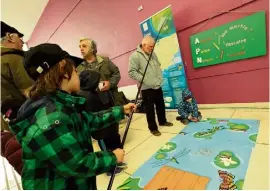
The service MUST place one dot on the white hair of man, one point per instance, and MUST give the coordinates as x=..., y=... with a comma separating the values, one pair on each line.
x=148, y=40
x=3, y=39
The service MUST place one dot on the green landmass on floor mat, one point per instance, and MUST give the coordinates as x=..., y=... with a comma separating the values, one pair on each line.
x=214, y=122
x=208, y=133
x=239, y=184
x=160, y=156
x=253, y=137
x=226, y=160
x=231, y=124
x=130, y=184
x=168, y=147
x=238, y=127
x=210, y=120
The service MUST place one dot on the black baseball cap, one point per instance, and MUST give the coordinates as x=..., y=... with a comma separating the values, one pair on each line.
x=5, y=28
x=41, y=58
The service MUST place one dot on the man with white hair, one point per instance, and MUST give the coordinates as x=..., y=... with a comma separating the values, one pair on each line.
x=110, y=74
x=151, y=87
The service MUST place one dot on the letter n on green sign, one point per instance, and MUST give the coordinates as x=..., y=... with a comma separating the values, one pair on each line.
x=240, y=39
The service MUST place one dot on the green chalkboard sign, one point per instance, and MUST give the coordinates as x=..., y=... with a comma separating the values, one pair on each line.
x=240, y=39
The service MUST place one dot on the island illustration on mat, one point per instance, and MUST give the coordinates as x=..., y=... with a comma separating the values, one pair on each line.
x=253, y=137
x=208, y=134
x=208, y=155
x=214, y=121
x=238, y=127
x=227, y=160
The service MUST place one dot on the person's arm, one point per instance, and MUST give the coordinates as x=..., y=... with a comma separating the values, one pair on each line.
x=116, y=76
x=103, y=119
x=182, y=111
x=195, y=108
x=133, y=69
x=20, y=77
x=58, y=147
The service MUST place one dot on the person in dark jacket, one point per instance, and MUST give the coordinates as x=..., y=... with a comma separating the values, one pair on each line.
x=109, y=72
x=188, y=109
x=14, y=82
x=14, y=78
x=108, y=85
x=108, y=138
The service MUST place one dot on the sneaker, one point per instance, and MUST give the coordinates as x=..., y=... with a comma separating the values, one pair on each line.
x=117, y=172
x=185, y=121
x=178, y=118
x=156, y=133
x=122, y=165
x=168, y=124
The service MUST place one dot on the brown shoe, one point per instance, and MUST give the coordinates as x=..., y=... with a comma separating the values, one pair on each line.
x=168, y=124
x=156, y=133
x=185, y=121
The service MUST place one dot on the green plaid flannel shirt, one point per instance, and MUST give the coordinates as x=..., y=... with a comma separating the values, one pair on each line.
x=57, y=149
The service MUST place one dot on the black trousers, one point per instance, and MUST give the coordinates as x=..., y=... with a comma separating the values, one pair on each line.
x=113, y=140
x=151, y=98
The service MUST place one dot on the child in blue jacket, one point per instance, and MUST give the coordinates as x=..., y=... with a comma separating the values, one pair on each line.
x=188, y=109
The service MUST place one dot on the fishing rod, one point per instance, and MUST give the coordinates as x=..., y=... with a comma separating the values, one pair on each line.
x=136, y=100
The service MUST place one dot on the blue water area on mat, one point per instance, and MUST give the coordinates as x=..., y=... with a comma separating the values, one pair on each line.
x=197, y=155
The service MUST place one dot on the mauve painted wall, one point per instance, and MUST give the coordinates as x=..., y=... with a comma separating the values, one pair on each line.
x=114, y=24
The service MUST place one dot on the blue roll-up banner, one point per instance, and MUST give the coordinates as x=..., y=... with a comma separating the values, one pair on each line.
x=169, y=55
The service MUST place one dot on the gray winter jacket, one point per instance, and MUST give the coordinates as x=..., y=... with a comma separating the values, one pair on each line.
x=137, y=64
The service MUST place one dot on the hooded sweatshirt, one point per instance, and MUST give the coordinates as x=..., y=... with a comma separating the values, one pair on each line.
x=137, y=64
x=55, y=134
x=186, y=108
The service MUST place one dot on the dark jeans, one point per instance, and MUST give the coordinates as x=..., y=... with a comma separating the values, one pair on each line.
x=153, y=97
x=113, y=140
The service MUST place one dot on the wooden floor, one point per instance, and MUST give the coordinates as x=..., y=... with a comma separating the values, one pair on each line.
x=169, y=178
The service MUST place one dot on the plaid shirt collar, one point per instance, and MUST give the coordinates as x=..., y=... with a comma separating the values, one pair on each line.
x=71, y=99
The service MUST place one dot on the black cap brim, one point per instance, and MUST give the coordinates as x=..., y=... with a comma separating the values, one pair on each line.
x=77, y=61
x=20, y=34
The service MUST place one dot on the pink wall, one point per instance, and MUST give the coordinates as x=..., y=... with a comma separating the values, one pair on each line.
x=115, y=26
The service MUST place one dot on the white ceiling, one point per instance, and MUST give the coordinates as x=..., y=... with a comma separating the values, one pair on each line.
x=22, y=14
